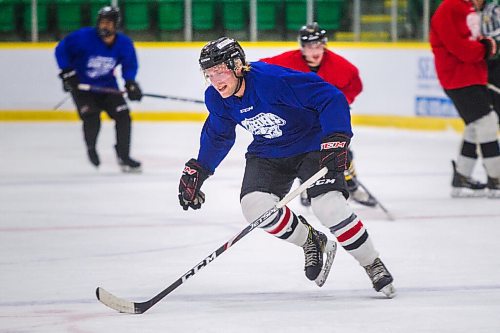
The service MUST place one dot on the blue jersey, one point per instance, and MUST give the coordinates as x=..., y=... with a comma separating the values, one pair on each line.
x=95, y=61
x=287, y=112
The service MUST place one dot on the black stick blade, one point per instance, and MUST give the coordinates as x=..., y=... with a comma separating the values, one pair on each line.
x=115, y=303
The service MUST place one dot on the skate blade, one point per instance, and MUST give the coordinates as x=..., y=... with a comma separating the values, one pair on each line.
x=330, y=250
x=494, y=194
x=467, y=193
x=367, y=203
x=389, y=291
x=127, y=169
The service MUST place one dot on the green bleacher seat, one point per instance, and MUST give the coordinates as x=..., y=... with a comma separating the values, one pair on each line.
x=235, y=14
x=135, y=15
x=329, y=13
x=42, y=10
x=69, y=15
x=203, y=14
x=7, y=16
x=295, y=14
x=266, y=14
x=95, y=5
x=170, y=15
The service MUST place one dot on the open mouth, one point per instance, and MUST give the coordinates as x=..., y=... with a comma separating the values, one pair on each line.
x=222, y=88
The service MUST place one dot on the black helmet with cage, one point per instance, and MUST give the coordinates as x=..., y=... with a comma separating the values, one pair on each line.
x=312, y=33
x=223, y=50
x=110, y=13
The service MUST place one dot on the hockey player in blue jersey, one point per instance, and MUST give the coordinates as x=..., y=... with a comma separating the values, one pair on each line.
x=299, y=124
x=90, y=56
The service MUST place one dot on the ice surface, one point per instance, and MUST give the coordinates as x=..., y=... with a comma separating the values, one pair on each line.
x=66, y=228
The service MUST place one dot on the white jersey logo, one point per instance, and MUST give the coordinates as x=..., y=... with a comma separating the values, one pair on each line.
x=248, y=109
x=100, y=66
x=265, y=124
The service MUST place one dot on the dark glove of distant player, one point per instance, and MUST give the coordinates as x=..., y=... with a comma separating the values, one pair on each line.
x=490, y=45
x=192, y=178
x=133, y=91
x=334, y=150
x=69, y=79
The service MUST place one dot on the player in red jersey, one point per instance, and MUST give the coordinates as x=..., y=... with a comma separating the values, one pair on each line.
x=313, y=56
x=461, y=51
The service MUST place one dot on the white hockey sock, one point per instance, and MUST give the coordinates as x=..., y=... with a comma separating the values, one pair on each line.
x=488, y=142
x=465, y=165
x=482, y=132
x=354, y=238
x=335, y=213
x=284, y=224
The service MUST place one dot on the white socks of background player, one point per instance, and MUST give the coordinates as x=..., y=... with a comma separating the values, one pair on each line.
x=483, y=133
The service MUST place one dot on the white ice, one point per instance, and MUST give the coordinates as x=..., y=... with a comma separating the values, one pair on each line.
x=66, y=229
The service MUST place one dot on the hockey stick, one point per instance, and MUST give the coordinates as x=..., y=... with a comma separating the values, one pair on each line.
x=389, y=215
x=58, y=105
x=492, y=87
x=88, y=87
x=125, y=306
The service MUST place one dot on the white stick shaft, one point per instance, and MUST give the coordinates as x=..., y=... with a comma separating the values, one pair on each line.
x=302, y=187
x=494, y=88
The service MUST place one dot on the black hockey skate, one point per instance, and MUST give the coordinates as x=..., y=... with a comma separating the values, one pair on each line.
x=357, y=194
x=316, y=245
x=93, y=157
x=493, y=186
x=465, y=187
x=127, y=164
x=381, y=278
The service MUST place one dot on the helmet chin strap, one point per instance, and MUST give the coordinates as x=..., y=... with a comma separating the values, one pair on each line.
x=240, y=82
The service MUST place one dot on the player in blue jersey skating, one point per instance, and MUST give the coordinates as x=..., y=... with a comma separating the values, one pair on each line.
x=90, y=56
x=299, y=124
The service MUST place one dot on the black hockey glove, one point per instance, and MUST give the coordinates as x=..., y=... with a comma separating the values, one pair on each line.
x=334, y=149
x=69, y=79
x=192, y=178
x=133, y=91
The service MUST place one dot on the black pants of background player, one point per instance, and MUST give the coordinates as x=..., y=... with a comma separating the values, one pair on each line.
x=89, y=107
x=494, y=78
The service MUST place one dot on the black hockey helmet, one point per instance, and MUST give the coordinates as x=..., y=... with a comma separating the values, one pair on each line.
x=110, y=13
x=311, y=33
x=223, y=50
